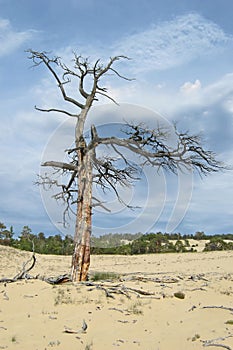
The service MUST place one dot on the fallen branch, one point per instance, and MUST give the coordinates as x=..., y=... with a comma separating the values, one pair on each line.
x=57, y=280
x=150, y=279
x=198, y=277
x=140, y=291
x=195, y=289
x=24, y=273
x=218, y=307
x=70, y=331
x=213, y=342
x=115, y=309
x=118, y=289
x=107, y=292
x=219, y=346
x=73, y=331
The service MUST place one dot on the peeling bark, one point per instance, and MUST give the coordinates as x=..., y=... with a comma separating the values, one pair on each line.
x=82, y=237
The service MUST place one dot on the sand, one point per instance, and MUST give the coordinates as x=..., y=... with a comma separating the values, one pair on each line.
x=35, y=315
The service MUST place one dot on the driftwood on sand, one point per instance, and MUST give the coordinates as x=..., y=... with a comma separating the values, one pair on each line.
x=23, y=274
x=215, y=342
x=108, y=287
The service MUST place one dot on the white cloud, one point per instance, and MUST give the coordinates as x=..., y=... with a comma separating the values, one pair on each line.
x=172, y=43
x=11, y=39
x=189, y=87
x=219, y=92
x=173, y=101
x=162, y=46
x=229, y=104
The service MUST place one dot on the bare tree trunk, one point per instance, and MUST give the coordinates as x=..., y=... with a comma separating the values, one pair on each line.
x=81, y=255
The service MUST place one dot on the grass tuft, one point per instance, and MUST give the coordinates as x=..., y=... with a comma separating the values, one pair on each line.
x=230, y=322
x=103, y=276
x=135, y=308
x=88, y=346
x=13, y=339
x=196, y=337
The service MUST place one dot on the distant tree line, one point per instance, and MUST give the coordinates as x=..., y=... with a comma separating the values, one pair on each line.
x=117, y=243
x=29, y=241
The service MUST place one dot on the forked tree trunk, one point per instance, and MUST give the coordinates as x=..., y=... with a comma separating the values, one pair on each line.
x=81, y=255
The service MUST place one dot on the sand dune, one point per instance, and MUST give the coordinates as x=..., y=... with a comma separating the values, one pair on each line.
x=36, y=315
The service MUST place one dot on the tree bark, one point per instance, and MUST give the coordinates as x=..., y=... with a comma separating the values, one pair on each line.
x=81, y=255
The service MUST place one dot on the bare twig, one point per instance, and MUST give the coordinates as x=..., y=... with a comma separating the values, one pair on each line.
x=57, y=110
x=218, y=307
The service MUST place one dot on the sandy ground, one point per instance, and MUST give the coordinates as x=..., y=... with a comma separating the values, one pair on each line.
x=34, y=314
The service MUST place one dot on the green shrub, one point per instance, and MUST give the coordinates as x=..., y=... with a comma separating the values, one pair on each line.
x=217, y=243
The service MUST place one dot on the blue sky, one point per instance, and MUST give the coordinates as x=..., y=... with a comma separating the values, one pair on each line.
x=182, y=62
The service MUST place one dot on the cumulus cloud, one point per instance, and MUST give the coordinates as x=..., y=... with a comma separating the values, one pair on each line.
x=219, y=92
x=10, y=38
x=172, y=43
x=189, y=87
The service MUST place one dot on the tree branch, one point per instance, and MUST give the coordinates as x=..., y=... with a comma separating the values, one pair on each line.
x=152, y=146
x=57, y=110
x=99, y=204
x=38, y=58
x=60, y=165
x=68, y=189
x=109, y=176
x=108, y=97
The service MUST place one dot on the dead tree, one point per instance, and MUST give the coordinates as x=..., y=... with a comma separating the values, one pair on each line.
x=85, y=167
